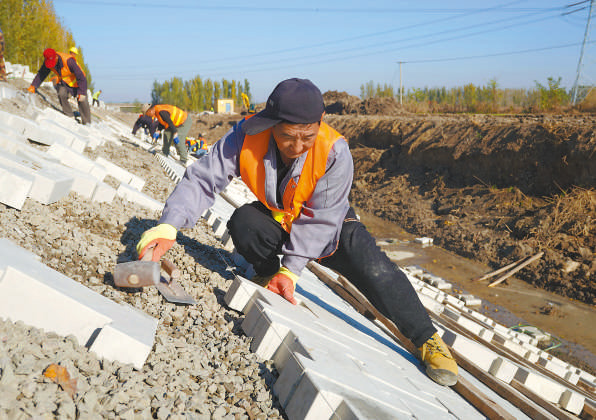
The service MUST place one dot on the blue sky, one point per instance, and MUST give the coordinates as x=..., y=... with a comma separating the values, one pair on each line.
x=338, y=44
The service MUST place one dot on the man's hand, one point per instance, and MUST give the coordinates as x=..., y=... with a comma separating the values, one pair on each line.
x=31, y=89
x=81, y=98
x=176, y=140
x=160, y=238
x=284, y=283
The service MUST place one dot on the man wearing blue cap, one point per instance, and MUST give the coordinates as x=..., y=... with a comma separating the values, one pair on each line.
x=301, y=170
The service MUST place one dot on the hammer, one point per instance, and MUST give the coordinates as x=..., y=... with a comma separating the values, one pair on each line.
x=144, y=272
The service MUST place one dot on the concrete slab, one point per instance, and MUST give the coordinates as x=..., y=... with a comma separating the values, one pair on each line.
x=83, y=184
x=15, y=186
x=131, y=194
x=72, y=159
x=379, y=379
x=41, y=297
x=48, y=186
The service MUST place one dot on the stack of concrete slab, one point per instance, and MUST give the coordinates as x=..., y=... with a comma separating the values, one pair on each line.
x=35, y=294
x=46, y=177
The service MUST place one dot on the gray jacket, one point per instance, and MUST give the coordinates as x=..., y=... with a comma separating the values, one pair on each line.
x=314, y=233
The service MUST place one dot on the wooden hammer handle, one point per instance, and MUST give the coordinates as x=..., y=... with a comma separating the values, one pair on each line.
x=170, y=268
x=148, y=254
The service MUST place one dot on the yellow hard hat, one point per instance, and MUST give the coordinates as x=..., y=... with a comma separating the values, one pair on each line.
x=73, y=50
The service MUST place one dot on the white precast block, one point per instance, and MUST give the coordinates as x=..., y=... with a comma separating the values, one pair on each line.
x=572, y=401
x=481, y=356
x=114, y=170
x=62, y=135
x=48, y=186
x=72, y=159
x=41, y=297
x=470, y=300
x=541, y=385
x=83, y=183
x=468, y=324
x=135, y=196
x=14, y=186
x=7, y=91
x=103, y=193
x=137, y=182
x=219, y=227
x=11, y=142
x=27, y=128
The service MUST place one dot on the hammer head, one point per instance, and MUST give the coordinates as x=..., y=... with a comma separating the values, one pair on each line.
x=137, y=274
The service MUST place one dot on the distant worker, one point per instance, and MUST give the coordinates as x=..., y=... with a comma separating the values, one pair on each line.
x=72, y=81
x=198, y=147
x=176, y=126
x=300, y=169
x=2, y=66
x=74, y=51
x=96, y=97
x=150, y=125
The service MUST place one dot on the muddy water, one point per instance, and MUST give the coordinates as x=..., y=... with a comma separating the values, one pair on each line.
x=511, y=303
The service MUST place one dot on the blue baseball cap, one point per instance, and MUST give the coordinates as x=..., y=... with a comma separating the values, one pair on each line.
x=296, y=101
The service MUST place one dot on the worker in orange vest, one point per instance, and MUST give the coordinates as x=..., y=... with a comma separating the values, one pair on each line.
x=72, y=81
x=300, y=169
x=176, y=125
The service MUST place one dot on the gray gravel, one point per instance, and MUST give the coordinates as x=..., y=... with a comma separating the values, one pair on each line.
x=200, y=366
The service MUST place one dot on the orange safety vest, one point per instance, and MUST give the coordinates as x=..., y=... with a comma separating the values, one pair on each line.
x=177, y=115
x=65, y=73
x=252, y=170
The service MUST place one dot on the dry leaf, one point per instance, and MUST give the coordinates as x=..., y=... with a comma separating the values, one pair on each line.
x=59, y=375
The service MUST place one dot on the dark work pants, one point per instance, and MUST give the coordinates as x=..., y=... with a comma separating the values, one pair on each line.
x=64, y=92
x=168, y=139
x=259, y=238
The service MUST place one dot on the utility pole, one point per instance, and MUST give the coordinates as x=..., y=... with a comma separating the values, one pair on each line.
x=581, y=56
x=401, y=86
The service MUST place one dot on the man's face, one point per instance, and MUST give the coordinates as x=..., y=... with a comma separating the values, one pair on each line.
x=294, y=139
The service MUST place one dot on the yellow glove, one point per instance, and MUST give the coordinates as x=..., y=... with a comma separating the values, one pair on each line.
x=284, y=283
x=160, y=238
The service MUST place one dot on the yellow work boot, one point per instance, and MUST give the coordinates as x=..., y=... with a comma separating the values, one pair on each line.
x=440, y=364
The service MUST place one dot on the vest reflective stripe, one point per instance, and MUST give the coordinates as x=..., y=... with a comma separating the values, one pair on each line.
x=177, y=115
x=65, y=74
x=252, y=170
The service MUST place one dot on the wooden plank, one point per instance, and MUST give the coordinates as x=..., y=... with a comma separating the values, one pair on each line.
x=516, y=269
x=479, y=400
x=556, y=411
x=527, y=406
x=588, y=412
x=499, y=271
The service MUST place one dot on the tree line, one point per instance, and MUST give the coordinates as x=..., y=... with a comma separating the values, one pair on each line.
x=31, y=26
x=198, y=94
x=489, y=98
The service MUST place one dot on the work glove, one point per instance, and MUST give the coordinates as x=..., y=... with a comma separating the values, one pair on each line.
x=156, y=135
x=176, y=140
x=283, y=283
x=31, y=89
x=160, y=238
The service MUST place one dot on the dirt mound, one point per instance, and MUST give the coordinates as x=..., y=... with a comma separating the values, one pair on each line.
x=341, y=103
x=490, y=189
